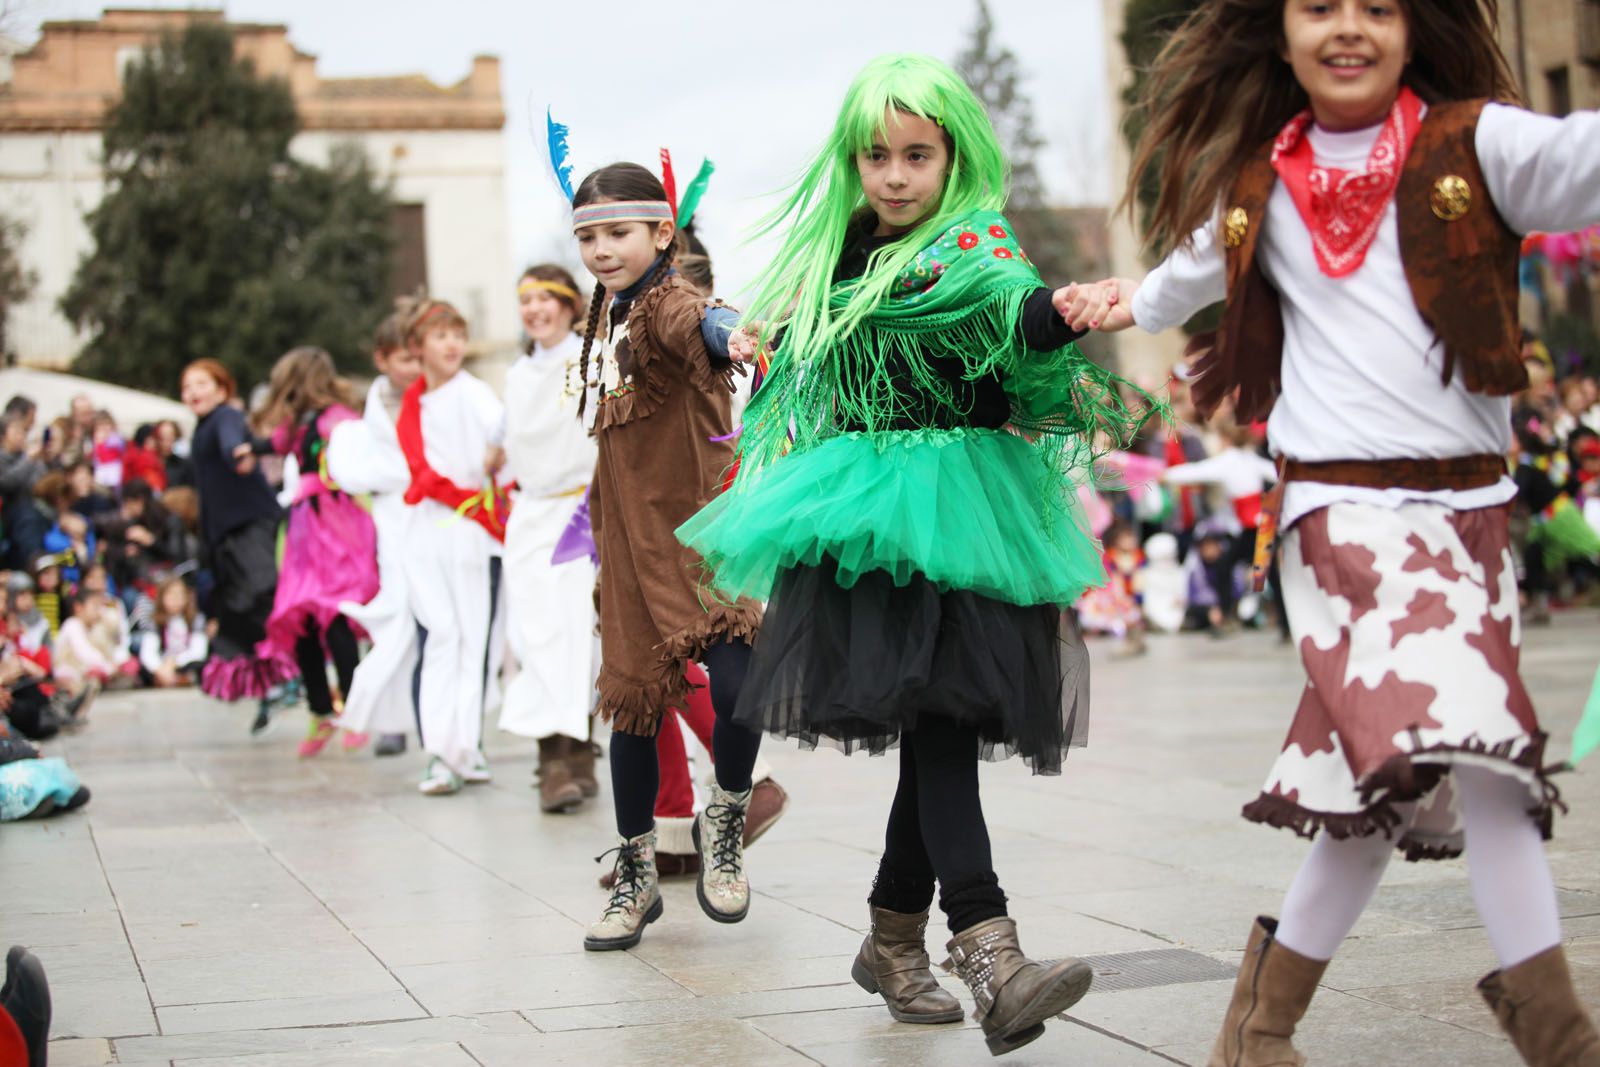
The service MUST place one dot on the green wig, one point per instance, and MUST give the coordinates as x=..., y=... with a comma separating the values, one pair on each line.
x=793, y=292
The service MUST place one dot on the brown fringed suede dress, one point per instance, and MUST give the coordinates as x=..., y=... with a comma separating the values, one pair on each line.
x=664, y=403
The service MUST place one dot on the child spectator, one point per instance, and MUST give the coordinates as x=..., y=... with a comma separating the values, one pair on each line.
x=143, y=461
x=27, y=626
x=1165, y=594
x=1114, y=607
x=79, y=666
x=47, y=592
x=1213, y=585
x=174, y=647
x=112, y=635
x=108, y=451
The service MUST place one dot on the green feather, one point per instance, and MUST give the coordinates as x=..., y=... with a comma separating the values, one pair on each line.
x=694, y=194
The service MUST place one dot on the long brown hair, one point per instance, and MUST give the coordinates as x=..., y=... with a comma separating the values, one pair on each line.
x=1220, y=89
x=161, y=616
x=303, y=382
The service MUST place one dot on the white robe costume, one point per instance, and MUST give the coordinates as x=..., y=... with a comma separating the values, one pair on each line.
x=364, y=457
x=549, y=608
x=448, y=563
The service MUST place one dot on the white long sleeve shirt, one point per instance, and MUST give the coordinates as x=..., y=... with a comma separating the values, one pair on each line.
x=1360, y=366
x=549, y=452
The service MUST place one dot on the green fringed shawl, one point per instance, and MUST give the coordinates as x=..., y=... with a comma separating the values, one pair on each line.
x=960, y=298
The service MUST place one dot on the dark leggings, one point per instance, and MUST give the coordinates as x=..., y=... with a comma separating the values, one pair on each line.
x=635, y=771
x=341, y=642
x=936, y=830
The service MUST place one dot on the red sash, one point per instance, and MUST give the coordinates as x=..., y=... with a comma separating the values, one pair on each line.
x=489, y=507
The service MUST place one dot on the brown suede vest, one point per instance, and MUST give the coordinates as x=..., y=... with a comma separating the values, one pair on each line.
x=1460, y=261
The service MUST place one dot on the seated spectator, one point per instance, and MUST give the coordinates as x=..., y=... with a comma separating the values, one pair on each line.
x=112, y=635
x=31, y=787
x=174, y=647
x=108, y=449
x=1113, y=608
x=78, y=665
x=90, y=500
x=70, y=539
x=47, y=591
x=20, y=470
x=1214, y=586
x=174, y=453
x=143, y=462
x=146, y=541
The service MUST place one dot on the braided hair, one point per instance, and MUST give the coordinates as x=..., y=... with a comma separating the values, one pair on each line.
x=618, y=181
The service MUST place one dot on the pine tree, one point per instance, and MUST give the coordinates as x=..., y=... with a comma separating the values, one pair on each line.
x=996, y=77
x=212, y=240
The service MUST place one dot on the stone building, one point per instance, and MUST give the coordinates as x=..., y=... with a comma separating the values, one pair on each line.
x=441, y=146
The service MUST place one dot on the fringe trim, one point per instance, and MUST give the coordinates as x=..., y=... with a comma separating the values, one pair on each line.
x=722, y=624
x=649, y=349
x=633, y=707
x=1410, y=776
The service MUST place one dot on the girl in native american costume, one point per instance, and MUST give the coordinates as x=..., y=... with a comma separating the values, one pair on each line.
x=664, y=382
x=1353, y=179
x=906, y=498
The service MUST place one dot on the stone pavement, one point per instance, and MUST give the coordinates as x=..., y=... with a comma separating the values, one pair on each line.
x=221, y=903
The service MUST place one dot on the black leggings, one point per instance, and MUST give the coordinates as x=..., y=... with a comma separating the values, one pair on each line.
x=635, y=771
x=341, y=641
x=936, y=830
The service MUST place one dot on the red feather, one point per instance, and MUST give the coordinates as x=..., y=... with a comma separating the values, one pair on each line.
x=669, y=181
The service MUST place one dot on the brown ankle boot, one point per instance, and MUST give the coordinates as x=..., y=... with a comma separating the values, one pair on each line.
x=1539, y=1011
x=580, y=762
x=1272, y=992
x=893, y=961
x=1015, y=995
x=557, y=791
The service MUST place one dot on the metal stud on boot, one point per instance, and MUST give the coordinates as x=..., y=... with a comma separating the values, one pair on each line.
x=635, y=896
x=1014, y=995
x=893, y=962
x=1538, y=1009
x=1271, y=994
x=723, y=890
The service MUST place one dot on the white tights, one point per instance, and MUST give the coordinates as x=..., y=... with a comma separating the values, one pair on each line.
x=1511, y=884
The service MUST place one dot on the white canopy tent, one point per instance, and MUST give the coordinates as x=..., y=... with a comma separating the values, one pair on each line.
x=53, y=393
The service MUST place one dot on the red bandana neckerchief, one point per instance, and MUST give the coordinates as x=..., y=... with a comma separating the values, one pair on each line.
x=1343, y=209
x=489, y=507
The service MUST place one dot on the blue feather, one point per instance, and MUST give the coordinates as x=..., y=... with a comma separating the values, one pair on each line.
x=558, y=154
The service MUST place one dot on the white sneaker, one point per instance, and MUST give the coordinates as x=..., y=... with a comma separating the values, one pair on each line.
x=477, y=772
x=440, y=780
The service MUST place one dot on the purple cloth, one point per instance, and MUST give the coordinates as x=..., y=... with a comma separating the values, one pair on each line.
x=577, y=540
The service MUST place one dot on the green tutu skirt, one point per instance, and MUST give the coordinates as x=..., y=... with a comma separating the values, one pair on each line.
x=972, y=510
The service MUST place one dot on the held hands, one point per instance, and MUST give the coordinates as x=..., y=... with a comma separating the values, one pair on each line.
x=244, y=459
x=1104, y=305
x=493, y=460
x=744, y=343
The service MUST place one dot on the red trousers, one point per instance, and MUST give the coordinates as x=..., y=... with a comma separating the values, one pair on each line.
x=675, y=798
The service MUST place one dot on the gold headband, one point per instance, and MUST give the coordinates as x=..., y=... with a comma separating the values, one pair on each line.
x=530, y=285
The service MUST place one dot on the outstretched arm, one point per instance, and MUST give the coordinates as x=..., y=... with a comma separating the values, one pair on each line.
x=1543, y=173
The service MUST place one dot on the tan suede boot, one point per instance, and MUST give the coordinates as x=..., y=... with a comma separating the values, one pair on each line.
x=893, y=962
x=1014, y=995
x=580, y=762
x=1537, y=1008
x=557, y=791
x=635, y=897
x=1272, y=992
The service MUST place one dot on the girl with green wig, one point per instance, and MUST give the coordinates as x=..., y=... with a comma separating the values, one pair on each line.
x=906, y=501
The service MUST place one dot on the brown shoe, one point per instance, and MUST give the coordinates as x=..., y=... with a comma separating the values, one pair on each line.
x=768, y=802
x=1014, y=995
x=1273, y=990
x=668, y=865
x=893, y=962
x=580, y=763
x=1538, y=1010
x=558, y=793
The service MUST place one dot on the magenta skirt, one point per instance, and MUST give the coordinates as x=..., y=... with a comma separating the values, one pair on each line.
x=330, y=555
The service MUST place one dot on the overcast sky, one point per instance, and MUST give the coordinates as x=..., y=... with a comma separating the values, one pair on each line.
x=750, y=83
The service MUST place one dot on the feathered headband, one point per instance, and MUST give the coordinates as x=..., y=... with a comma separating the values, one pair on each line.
x=671, y=210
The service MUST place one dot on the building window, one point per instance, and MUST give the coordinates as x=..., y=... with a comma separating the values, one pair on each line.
x=1558, y=91
x=409, y=270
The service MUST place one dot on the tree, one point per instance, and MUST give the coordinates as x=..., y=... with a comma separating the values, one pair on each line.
x=16, y=281
x=212, y=240
x=996, y=78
